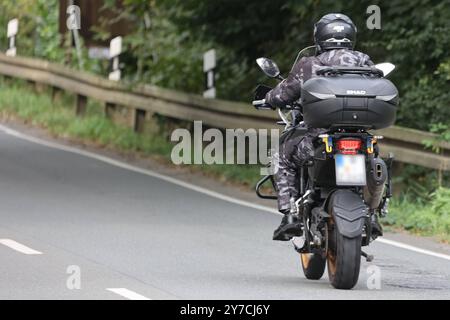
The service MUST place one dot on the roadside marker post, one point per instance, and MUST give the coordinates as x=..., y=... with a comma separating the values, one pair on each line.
x=209, y=66
x=73, y=24
x=13, y=29
x=115, y=49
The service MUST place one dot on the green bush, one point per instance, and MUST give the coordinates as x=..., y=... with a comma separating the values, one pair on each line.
x=428, y=218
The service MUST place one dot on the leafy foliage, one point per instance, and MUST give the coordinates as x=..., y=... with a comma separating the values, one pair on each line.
x=432, y=218
x=442, y=132
x=414, y=36
x=170, y=36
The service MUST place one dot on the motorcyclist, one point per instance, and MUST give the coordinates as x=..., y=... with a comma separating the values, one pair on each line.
x=334, y=38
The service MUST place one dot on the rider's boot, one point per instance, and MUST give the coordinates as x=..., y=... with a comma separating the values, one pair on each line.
x=377, y=229
x=291, y=226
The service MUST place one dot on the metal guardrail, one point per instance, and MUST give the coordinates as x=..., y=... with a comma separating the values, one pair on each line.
x=406, y=144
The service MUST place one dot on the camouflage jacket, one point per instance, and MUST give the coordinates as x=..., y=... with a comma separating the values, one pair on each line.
x=288, y=90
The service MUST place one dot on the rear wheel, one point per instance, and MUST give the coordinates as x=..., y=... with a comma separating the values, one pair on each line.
x=343, y=259
x=313, y=265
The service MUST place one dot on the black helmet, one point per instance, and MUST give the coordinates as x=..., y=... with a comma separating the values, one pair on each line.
x=334, y=31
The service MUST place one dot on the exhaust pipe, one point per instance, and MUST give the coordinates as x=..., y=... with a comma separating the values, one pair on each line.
x=376, y=180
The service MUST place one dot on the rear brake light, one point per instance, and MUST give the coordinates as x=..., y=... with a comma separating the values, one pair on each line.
x=349, y=146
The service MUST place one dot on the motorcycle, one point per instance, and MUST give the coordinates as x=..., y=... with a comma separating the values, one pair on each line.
x=346, y=185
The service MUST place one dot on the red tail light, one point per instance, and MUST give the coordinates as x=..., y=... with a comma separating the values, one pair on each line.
x=349, y=146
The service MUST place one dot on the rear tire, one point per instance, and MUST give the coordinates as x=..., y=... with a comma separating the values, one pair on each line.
x=343, y=259
x=313, y=265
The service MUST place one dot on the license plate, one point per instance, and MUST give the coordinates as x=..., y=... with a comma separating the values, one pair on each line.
x=350, y=170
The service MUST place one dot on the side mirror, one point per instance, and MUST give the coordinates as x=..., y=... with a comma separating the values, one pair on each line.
x=269, y=67
x=386, y=67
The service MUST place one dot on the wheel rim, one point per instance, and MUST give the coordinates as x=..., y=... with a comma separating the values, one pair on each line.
x=331, y=255
x=306, y=258
x=331, y=260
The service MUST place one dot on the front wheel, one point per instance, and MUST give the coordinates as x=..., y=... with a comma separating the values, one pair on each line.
x=313, y=265
x=343, y=259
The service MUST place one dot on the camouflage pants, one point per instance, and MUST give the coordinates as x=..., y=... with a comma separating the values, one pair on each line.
x=295, y=150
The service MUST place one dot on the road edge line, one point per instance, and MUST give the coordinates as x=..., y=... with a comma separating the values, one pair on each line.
x=19, y=247
x=129, y=294
x=413, y=248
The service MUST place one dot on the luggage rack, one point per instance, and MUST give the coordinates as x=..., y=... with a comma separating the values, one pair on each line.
x=351, y=70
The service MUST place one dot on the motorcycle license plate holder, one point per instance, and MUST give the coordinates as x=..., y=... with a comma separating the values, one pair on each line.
x=350, y=170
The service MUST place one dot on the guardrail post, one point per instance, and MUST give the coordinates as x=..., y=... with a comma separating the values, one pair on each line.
x=120, y=114
x=109, y=109
x=146, y=122
x=8, y=79
x=81, y=103
x=38, y=87
x=139, y=120
x=56, y=94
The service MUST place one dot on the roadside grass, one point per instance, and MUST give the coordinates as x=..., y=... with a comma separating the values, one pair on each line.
x=427, y=218
x=424, y=217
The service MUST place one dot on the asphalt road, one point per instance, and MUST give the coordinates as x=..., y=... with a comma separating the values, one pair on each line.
x=143, y=237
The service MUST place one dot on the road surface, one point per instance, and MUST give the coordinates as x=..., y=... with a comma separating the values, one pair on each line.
x=76, y=227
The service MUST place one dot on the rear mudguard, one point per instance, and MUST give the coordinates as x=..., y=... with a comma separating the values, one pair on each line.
x=349, y=212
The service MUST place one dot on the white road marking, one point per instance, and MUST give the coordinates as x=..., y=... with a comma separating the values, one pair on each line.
x=412, y=248
x=131, y=295
x=18, y=246
x=187, y=185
